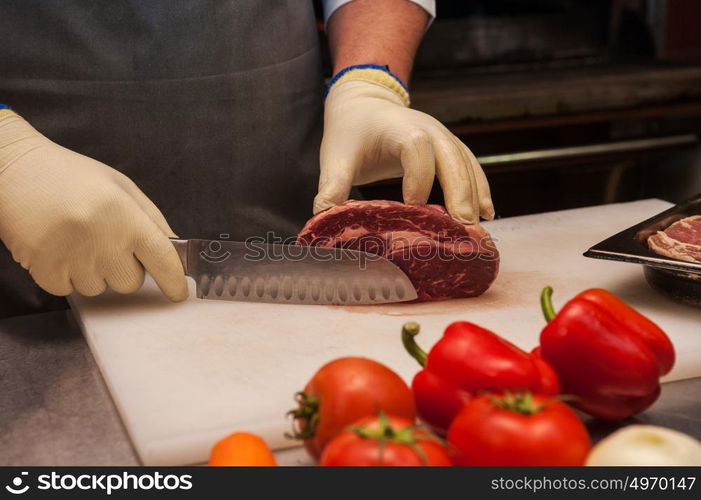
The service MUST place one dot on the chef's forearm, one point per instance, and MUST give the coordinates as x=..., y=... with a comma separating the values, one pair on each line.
x=384, y=32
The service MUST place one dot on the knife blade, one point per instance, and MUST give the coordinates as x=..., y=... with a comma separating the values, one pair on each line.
x=254, y=271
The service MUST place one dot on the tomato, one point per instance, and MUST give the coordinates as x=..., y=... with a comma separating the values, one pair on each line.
x=518, y=430
x=385, y=441
x=242, y=448
x=344, y=391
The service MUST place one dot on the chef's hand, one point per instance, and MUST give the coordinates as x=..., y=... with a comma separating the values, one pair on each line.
x=77, y=224
x=370, y=134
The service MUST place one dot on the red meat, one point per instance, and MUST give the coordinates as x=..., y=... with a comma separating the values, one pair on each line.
x=681, y=240
x=443, y=258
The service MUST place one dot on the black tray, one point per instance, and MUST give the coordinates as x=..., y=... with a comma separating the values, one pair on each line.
x=676, y=278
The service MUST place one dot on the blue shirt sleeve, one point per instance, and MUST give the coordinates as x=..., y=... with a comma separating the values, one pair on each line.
x=330, y=6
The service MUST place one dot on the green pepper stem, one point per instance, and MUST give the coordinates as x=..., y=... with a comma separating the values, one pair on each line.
x=409, y=331
x=546, y=303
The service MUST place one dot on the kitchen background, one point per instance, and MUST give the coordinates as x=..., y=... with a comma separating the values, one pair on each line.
x=566, y=103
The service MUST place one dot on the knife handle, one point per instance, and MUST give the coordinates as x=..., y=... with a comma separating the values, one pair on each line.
x=181, y=248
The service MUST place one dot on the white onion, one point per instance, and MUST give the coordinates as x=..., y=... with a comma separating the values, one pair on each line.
x=646, y=445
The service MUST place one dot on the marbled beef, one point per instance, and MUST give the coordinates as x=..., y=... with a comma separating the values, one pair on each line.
x=443, y=258
x=681, y=240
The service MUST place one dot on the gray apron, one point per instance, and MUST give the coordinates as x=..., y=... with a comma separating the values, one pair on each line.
x=212, y=107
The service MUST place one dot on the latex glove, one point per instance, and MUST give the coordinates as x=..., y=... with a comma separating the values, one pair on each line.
x=370, y=134
x=77, y=224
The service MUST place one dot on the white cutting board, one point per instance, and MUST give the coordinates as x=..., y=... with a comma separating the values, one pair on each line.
x=184, y=375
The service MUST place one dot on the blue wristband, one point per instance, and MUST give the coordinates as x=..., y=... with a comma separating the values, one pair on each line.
x=363, y=66
x=4, y=106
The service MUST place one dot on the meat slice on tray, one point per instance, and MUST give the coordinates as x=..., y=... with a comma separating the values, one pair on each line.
x=443, y=258
x=681, y=240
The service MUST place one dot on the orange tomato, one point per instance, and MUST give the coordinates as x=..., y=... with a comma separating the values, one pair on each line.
x=241, y=449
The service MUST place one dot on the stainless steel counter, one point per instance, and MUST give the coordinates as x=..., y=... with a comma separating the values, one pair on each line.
x=56, y=410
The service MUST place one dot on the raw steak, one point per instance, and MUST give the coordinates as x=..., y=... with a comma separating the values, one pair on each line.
x=681, y=240
x=443, y=258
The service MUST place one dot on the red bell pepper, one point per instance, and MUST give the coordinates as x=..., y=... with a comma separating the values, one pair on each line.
x=606, y=354
x=466, y=362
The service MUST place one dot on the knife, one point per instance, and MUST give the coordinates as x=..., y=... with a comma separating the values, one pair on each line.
x=254, y=271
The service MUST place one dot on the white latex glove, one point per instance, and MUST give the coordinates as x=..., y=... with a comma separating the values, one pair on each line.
x=370, y=134
x=77, y=224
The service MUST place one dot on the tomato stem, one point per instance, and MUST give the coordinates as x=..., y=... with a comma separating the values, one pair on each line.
x=304, y=418
x=409, y=331
x=385, y=433
x=521, y=402
x=546, y=304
